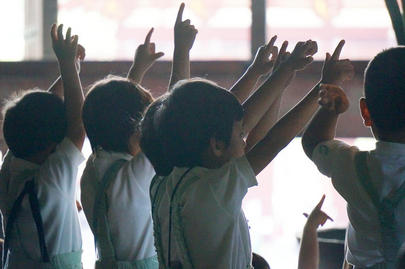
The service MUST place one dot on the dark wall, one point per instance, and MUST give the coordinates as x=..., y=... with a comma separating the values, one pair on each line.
x=16, y=76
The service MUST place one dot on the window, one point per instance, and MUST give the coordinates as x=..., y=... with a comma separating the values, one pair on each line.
x=364, y=24
x=12, y=30
x=111, y=30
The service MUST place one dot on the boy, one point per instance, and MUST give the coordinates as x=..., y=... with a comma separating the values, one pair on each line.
x=370, y=182
x=45, y=136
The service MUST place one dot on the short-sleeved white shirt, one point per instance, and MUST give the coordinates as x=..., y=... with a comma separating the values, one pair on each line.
x=213, y=224
x=129, y=210
x=56, y=190
x=386, y=166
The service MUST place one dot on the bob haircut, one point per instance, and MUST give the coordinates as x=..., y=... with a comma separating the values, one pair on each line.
x=33, y=121
x=112, y=111
x=177, y=127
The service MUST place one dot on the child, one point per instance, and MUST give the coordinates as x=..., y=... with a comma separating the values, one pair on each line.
x=309, y=250
x=370, y=182
x=194, y=138
x=117, y=176
x=45, y=136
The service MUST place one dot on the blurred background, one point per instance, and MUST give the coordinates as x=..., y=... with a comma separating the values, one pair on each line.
x=229, y=33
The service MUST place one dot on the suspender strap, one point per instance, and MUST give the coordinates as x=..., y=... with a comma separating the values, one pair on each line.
x=170, y=219
x=29, y=188
x=102, y=236
x=36, y=214
x=386, y=209
x=364, y=177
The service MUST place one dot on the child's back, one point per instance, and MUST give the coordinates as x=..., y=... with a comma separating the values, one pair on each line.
x=369, y=181
x=115, y=182
x=38, y=176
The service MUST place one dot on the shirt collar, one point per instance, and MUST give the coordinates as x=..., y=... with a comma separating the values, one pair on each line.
x=113, y=154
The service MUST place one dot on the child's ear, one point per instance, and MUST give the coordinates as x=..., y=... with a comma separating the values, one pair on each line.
x=217, y=147
x=365, y=113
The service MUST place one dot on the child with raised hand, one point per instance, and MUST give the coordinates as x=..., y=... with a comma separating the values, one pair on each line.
x=203, y=169
x=38, y=177
x=117, y=175
x=371, y=182
x=309, y=250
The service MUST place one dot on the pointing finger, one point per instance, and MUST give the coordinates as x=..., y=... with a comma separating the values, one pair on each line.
x=319, y=205
x=148, y=36
x=283, y=48
x=338, y=50
x=271, y=42
x=180, y=14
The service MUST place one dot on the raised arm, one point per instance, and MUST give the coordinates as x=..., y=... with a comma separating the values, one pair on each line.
x=271, y=115
x=145, y=57
x=57, y=86
x=184, y=36
x=257, y=105
x=292, y=123
x=322, y=127
x=309, y=250
x=261, y=65
x=65, y=50
x=333, y=102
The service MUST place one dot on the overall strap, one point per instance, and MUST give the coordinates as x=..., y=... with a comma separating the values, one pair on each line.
x=29, y=188
x=102, y=236
x=385, y=208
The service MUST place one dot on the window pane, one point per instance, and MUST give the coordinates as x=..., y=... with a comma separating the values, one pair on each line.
x=364, y=24
x=12, y=30
x=111, y=30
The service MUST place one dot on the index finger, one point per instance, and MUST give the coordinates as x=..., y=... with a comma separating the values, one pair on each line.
x=180, y=13
x=319, y=205
x=271, y=42
x=338, y=50
x=148, y=36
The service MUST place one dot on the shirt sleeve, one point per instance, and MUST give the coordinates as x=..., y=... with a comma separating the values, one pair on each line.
x=334, y=159
x=59, y=171
x=231, y=182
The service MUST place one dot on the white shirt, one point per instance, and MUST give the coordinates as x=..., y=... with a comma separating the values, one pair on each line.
x=386, y=166
x=129, y=210
x=212, y=222
x=56, y=191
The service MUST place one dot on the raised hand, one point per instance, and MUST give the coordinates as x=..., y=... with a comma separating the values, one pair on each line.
x=65, y=48
x=333, y=98
x=145, y=56
x=302, y=55
x=262, y=63
x=317, y=216
x=336, y=71
x=184, y=32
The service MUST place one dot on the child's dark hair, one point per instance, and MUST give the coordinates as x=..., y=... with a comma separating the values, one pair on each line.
x=177, y=128
x=112, y=111
x=384, y=87
x=33, y=121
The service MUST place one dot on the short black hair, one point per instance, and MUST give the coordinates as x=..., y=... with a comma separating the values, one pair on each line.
x=177, y=128
x=112, y=111
x=384, y=86
x=33, y=120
